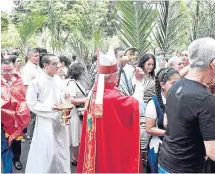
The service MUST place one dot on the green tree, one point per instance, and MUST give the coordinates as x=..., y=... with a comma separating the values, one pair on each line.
x=201, y=19
x=137, y=19
x=5, y=20
x=26, y=30
x=169, y=31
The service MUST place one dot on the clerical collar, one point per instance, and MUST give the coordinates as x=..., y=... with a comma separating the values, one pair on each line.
x=48, y=77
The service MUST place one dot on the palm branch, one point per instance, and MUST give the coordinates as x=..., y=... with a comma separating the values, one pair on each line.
x=136, y=20
x=168, y=31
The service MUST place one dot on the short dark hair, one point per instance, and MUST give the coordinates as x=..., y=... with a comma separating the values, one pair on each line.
x=13, y=58
x=6, y=61
x=163, y=75
x=75, y=71
x=42, y=52
x=64, y=59
x=144, y=59
x=46, y=58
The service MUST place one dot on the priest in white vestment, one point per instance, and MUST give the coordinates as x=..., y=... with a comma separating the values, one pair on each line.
x=49, y=151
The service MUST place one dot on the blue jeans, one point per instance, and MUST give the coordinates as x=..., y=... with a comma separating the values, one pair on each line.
x=6, y=154
x=161, y=169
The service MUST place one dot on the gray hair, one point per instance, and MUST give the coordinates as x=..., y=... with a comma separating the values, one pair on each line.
x=172, y=60
x=32, y=52
x=201, y=53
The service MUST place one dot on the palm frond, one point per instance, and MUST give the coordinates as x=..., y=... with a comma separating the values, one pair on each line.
x=168, y=28
x=137, y=20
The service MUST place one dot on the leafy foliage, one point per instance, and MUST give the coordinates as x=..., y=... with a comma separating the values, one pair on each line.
x=81, y=26
x=5, y=20
x=201, y=19
x=136, y=20
x=169, y=31
x=27, y=29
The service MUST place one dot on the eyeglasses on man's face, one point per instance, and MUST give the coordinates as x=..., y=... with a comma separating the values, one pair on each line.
x=7, y=71
x=53, y=63
x=184, y=55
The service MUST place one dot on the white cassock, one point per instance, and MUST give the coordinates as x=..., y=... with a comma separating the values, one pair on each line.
x=49, y=151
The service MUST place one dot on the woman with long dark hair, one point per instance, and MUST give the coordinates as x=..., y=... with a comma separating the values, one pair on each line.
x=146, y=86
x=155, y=109
x=144, y=90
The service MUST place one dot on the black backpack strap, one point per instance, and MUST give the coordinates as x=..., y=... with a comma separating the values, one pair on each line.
x=78, y=87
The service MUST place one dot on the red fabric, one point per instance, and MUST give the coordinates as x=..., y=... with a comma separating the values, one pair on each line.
x=107, y=69
x=15, y=114
x=117, y=136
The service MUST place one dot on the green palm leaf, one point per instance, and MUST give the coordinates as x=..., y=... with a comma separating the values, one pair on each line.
x=137, y=20
x=168, y=31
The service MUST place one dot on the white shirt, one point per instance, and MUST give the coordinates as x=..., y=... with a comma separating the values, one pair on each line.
x=151, y=113
x=29, y=72
x=151, y=110
x=75, y=127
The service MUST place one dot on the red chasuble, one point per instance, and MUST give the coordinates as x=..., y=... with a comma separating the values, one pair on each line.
x=15, y=114
x=111, y=144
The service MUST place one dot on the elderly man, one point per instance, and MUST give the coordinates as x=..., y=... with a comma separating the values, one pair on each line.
x=15, y=114
x=190, y=133
x=110, y=140
x=49, y=151
x=176, y=63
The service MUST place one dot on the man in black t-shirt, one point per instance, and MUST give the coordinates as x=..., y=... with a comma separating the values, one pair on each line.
x=190, y=134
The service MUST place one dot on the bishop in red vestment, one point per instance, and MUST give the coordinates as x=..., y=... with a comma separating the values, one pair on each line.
x=110, y=140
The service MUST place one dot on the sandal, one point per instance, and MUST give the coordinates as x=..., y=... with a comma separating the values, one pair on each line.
x=18, y=165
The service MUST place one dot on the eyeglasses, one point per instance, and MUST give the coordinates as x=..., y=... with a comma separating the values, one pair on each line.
x=53, y=63
x=185, y=55
x=7, y=71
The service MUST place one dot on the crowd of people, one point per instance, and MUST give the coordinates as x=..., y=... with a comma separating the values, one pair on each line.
x=151, y=116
